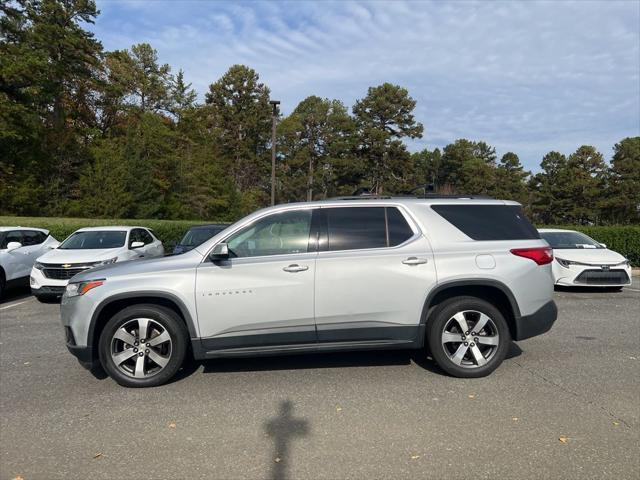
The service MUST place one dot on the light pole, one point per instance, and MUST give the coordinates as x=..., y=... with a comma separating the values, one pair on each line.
x=274, y=119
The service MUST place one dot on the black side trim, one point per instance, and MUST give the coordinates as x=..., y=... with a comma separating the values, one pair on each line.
x=201, y=354
x=537, y=323
x=53, y=291
x=139, y=294
x=355, y=333
x=259, y=340
x=84, y=354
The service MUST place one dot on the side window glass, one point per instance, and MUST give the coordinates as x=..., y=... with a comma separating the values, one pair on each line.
x=352, y=228
x=134, y=236
x=14, y=236
x=399, y=229
x=32, y=237
x=146, y=237
x=279, y=234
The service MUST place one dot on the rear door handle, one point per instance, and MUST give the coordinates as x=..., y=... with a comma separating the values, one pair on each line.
x=415, y=261
x=295, y=268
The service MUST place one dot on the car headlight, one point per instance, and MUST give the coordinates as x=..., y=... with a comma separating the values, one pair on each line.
x=565, y=263
x=76, y=289
x=106, y=262
x=38, y=265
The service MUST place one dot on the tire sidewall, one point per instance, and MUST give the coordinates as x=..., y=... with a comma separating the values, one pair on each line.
x=439, y=319
x=165, y=317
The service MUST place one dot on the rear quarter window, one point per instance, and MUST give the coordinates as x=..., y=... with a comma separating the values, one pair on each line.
x=489, y=222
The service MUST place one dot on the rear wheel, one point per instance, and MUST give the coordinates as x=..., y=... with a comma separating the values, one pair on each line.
x=143, y=346
x=468, y=337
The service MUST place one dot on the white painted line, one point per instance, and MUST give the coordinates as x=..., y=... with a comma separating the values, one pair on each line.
x=631, y=289
x=15, y=304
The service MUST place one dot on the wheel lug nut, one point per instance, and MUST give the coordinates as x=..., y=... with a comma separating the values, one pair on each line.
x=466, y=344
x=135, y=350
x=142, y=341
x=473, y=344
x=464, y=338
x=466, y=333
x=140, y=354
x=146, y=351
x=473, y=333
x=475, y=340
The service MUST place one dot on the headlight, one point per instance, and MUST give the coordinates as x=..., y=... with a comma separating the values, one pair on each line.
x=106, y=262
x=75, y=289
x=38, y=265
x=565, y=263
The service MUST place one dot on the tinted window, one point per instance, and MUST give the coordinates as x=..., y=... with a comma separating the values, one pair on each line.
x=279, y=234
x=399, y=229
x=33, y=237
x=199, y=235
x=14, y=236
x=560, y=240
x=352, y=228
x=94, y=239
x=146, y=237
x=489, y=222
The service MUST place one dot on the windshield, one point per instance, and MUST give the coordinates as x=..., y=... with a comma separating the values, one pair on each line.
x=559, y=240
x=197, y=236
x=94, y=239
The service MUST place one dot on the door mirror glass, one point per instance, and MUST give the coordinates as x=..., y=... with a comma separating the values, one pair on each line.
x=13, y=246
x=604, y=245
x=137, y=244
x=220, y=251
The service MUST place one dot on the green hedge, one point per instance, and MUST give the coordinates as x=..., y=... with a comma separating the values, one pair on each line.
x=169, y=231
x=623, y=239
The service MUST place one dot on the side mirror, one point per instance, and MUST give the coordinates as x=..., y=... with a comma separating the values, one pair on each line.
x=135, y=245
x=13, y=246
x=219, y=252
x=604, y=245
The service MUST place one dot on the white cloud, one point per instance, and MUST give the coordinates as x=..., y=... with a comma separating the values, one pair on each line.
x=524, y=76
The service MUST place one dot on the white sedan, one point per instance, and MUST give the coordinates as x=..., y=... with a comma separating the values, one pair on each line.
x=580, y=261
x=19, y=248
x=87, y=248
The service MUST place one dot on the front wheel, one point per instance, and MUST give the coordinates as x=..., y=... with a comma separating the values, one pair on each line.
x=468, y=337
x=143, y=346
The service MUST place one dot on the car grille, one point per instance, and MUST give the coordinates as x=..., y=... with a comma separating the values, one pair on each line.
x=60, y=272
x=602, y=277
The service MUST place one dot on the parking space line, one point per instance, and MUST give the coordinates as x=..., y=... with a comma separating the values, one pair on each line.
x=632, y=289
x=14, y=304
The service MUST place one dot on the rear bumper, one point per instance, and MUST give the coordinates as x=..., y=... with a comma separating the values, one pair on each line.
x=537, y=323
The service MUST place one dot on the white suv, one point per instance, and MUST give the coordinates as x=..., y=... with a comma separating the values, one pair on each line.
x=87, y=248
x=19, y=249
x=460, y=278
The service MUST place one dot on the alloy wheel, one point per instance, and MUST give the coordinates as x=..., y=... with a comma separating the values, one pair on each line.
x=470, y=339
x=141, y=347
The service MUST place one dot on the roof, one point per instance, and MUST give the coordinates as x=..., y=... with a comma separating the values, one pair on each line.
x=7, y=228
x=543, y=230
x=109, y=228
x=209, y=225
x=371, y=199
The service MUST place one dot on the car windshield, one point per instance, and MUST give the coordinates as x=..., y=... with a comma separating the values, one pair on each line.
x=94, y=239
x=559, y=240
x=197, y=236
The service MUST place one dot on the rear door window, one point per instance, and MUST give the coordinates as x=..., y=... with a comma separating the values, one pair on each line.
x=489, y=222
x=355, y=228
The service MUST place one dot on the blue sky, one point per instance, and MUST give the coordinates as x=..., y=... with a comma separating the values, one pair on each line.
x=526, y=76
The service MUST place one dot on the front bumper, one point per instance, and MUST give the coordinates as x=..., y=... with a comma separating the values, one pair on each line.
x=537, y=323
x=588, y=275
x=41, y=285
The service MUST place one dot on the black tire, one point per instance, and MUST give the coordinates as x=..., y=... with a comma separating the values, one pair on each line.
x=612, y=289
x=441, y=317
x=168, y=320
x=3, y=284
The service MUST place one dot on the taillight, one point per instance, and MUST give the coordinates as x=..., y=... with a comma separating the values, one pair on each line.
x=540, y=255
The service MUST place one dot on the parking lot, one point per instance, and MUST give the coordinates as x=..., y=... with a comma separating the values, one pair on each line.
x=563, y=405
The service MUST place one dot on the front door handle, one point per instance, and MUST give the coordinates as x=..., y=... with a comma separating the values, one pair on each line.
x=415, y=261
x=295, y=268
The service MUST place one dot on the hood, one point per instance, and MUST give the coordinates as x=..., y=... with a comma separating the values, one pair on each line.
x=593, y=256
x=145, y=266
x=79, y=256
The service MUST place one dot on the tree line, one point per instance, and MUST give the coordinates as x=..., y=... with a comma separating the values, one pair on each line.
x=116, y=134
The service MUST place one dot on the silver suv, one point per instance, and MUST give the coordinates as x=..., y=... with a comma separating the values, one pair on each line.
x=457, y=277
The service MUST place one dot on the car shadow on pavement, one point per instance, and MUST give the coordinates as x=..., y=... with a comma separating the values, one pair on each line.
x=14, y=293
x=283, y=429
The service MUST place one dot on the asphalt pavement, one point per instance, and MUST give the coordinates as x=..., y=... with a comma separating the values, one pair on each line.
x=563, y=405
